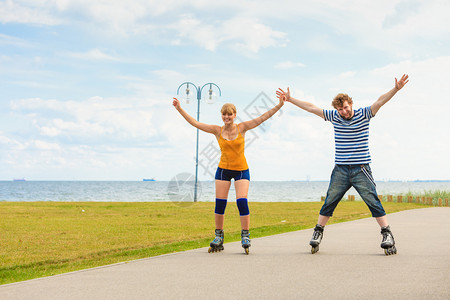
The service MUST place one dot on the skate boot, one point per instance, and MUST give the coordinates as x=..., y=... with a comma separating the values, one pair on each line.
x=388, y=243
x=217, y=244
x=246, y=242
x=316, y=238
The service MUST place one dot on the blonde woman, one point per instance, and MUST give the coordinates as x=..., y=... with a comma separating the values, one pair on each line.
x=232, y=165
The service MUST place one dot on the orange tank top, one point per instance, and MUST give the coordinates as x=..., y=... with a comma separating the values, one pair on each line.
x=232, y=157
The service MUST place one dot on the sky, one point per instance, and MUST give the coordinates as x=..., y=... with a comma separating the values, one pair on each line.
x=87, y=86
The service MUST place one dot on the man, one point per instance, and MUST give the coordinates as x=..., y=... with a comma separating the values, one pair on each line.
x=352, y=158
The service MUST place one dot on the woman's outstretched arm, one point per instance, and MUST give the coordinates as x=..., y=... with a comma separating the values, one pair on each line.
x=214, y=129
x=248, y=125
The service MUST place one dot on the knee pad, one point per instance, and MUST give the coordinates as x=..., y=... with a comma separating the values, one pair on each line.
x=242, y=205
x=221, y=204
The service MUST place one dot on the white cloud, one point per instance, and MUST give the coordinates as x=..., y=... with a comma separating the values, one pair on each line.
x=10, y=143
x=347, y=74
x=98, y=138
x=391, y=26
x=11, y=40
x=93, y=121
x=124, y=136
x=26, y=13
x=321, y=43
x=428, y=79
x=289, y=65
x=239, y=33
x=251, y=35
x=418, y=18
x=132, y=18
x=42, y=145
x=397, y=27
x=94, y=54
x=396, y=21
x=167, y=74
x=193, y=29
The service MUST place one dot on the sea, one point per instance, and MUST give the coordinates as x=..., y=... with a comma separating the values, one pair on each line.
x=183, y=190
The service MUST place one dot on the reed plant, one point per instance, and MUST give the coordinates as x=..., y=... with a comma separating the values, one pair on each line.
x=431, y=194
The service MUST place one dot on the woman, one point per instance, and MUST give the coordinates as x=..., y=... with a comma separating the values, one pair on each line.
x=232, y=165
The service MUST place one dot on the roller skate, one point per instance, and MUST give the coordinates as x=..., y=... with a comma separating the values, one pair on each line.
x=316, y=238
x=388, y=243
x=246, y=242
x=217, y=244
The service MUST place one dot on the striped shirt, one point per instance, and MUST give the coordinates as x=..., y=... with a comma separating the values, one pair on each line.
x=351, y=137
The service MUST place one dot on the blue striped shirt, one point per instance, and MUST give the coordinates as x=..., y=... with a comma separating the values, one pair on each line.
x=351, y=137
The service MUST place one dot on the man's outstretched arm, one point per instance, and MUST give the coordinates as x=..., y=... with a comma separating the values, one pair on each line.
x=386, y=97
x=309, y=107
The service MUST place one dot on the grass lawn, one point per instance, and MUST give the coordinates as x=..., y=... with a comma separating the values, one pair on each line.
x=45, y=238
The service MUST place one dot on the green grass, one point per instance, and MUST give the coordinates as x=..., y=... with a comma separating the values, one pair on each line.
x=46, y=238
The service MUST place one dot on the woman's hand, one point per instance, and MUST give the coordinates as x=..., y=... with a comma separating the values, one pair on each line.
x=282, y=100
x=176, y=103
x=284, y=96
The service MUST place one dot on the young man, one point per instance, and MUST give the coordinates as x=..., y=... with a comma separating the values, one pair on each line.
x=352, y=158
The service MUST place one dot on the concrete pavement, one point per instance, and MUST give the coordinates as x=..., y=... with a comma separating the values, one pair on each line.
x=349, y=265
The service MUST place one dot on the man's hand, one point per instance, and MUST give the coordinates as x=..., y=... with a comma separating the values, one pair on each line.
x=284, y=96
x=401, y=83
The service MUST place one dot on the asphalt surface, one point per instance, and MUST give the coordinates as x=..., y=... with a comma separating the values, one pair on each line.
x=349, y=265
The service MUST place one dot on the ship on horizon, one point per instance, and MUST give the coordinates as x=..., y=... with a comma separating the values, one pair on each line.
x=149, y=179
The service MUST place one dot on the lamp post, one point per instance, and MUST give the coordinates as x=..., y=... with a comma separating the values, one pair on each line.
x=210, y=100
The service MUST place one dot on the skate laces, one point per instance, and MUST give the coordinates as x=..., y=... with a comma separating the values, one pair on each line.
x=245, y=237
x=387, y=236
x=316, y=234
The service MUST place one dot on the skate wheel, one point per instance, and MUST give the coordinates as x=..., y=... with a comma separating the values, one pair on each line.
x=246, y=250
x=390, y=251
x=213, y=249
x=314, y=249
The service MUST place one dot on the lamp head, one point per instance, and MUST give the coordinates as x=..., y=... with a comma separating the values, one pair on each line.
x=212, y=97
x=188, y=97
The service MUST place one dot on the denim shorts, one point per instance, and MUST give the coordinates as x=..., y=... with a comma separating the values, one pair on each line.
x=224, y=174
x=342, y=179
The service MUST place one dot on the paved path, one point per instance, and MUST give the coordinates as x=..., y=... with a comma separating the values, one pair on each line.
x=350, y=265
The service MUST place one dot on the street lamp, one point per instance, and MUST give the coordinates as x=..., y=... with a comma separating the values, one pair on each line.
x=211, y=98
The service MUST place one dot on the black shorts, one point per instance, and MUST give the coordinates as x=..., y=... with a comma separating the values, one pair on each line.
x=224, y=174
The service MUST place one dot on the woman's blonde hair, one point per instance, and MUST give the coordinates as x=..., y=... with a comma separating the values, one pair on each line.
x=228, y=109
x=339, y=100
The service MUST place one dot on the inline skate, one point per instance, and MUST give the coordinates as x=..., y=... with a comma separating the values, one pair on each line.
x=316, y=238
x=245, y=240
x=217, y=244
x=388, y=242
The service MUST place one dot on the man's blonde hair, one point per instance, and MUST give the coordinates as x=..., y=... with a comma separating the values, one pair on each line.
x=228, y=109
x=339, y=100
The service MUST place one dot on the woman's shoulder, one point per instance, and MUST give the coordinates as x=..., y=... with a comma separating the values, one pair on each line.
x=240, y=127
